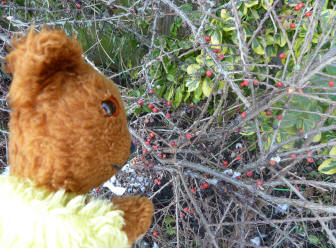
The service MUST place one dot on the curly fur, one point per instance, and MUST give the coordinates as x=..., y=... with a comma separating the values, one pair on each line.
x=60, y=137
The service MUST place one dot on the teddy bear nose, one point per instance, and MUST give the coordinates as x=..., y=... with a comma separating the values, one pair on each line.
x=133, y=147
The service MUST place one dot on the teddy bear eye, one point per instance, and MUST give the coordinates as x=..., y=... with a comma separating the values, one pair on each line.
x=110, y=106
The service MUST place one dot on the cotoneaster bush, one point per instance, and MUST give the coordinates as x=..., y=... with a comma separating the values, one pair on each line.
x=276, y=63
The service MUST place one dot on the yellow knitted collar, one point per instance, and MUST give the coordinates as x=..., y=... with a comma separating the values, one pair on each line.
x=32, y=217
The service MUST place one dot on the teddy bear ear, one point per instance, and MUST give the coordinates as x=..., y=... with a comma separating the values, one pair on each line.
x=35, y=57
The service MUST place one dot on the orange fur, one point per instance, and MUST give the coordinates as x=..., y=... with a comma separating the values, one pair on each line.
x=60, y=136
x=138, y=214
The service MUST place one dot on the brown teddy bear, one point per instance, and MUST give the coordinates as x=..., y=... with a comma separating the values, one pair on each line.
x=68, y=135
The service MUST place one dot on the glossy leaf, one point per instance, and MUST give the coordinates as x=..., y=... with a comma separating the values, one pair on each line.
x=328, y=166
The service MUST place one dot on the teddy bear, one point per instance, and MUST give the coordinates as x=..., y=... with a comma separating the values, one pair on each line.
x=68, y=135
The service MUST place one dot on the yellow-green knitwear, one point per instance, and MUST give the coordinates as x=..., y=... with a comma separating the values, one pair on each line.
x=32, y=217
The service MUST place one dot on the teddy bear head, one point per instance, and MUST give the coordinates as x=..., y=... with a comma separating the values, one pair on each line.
x=68, y=127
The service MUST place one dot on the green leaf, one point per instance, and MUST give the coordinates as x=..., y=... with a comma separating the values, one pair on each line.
x=317, y=137
x=191, y=69
x=224, y=14
x=280, y=40
x=171, y=77
x=265, y=5
x=216, y=37
x=333, y=151
x=255, y=14
x=197, y=95
x=251, y=3
x=331, y=70
x=228, y=27
x=186, y=97
x=206, y=89
x=192, y=84
x=200, y=59
x=146, y=109
x=169, y=94
x=328, y=166
x=314, y=239
x=186, y=7
x=257, y=48
x=178, y=97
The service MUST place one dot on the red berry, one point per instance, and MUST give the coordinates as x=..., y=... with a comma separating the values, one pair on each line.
x=238, y=157
x=300, y=5
x=216, y=50
x=268, y=112
x=249, y=174
x=293, y=156
x=155, y=110
x=297, y=188
x=4, y=2
x=207, y=38
x=168, y=115
x=243, y=115
x=208, y=73
x=186, y=209
x=205, y=185
x=191, y=105
x=188, y=135
x=150, y=106
x=157, y=181
x=160, y=155
x=146, y=121
x=238, y=177
x=310, y=160
x=260, y=183
x=156, y=147
x=279, y=84
x=255, y=82
x=149, y=140
x=297, y=8
x=151, y=92
x=193, y=190
x=144, y=151
x=141, y=102
x=299, y=90
x=309, y=13
x=301, y=131
x=192, y=211
x=169, y=103
x=147, y=143
x=272, y=162
x=264, y=139
x=181, y=215
x=331, y=83
x=155, y=234
x=78, y=5
x=221, y=56
x=225, y=163
x=244, y=83
x=172, y=143
x=282, y=56
x=279, y=117
x=292, y=25
x=152, y=135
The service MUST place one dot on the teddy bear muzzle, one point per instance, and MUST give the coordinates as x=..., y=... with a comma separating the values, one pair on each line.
x=132, y=150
